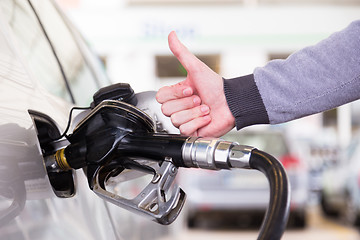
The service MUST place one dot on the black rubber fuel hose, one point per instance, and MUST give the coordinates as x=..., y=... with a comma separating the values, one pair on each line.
x=277, y=214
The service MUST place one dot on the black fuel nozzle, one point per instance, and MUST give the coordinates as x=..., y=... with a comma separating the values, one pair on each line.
x=116, y=137
x=119, y=92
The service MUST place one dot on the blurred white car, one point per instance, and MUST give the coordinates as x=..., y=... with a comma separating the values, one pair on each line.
x=46, y=69
x=237, y=196
x=340, y=194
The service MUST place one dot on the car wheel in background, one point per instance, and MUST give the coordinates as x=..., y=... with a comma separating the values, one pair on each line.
x=327, y=210
x=350, y=215
x=297, y=219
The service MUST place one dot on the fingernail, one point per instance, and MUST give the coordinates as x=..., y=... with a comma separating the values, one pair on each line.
x=207, y=118
x=187, y=92
x=196, y=100
x=204, y=109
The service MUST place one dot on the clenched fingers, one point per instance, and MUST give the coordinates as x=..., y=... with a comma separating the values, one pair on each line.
x=170, y=107
x=173, y=92
x=190, y=128
x=188, y=115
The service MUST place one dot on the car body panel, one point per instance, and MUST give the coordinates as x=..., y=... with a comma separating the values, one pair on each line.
x=29, y=209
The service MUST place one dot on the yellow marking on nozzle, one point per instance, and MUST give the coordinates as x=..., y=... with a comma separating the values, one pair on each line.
x=61, y=160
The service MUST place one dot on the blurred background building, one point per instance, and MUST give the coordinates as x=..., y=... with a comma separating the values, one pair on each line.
x=232, y=36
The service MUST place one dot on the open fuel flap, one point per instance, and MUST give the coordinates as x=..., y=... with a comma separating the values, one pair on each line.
x=62, y=181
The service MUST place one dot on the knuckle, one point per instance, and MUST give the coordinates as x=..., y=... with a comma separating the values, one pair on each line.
x=165, y=110
x=174, y=121
x=185, y=130
x=158, y=97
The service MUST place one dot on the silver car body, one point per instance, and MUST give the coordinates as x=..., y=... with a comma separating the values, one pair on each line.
x=29, y=209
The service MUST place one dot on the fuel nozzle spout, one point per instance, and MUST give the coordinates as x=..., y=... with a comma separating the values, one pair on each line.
x=215, y=153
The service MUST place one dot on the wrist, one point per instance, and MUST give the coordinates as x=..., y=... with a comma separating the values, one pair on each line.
x=245, y=102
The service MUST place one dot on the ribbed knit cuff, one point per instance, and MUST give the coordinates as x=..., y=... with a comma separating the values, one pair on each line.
x=245, y=102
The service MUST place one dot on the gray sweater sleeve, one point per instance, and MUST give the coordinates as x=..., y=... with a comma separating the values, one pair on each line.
x=311, y=80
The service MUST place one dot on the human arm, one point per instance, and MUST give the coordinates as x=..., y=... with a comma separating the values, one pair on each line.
x=311, y=80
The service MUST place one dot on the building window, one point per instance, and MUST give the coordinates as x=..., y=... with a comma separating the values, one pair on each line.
x=167, y=66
